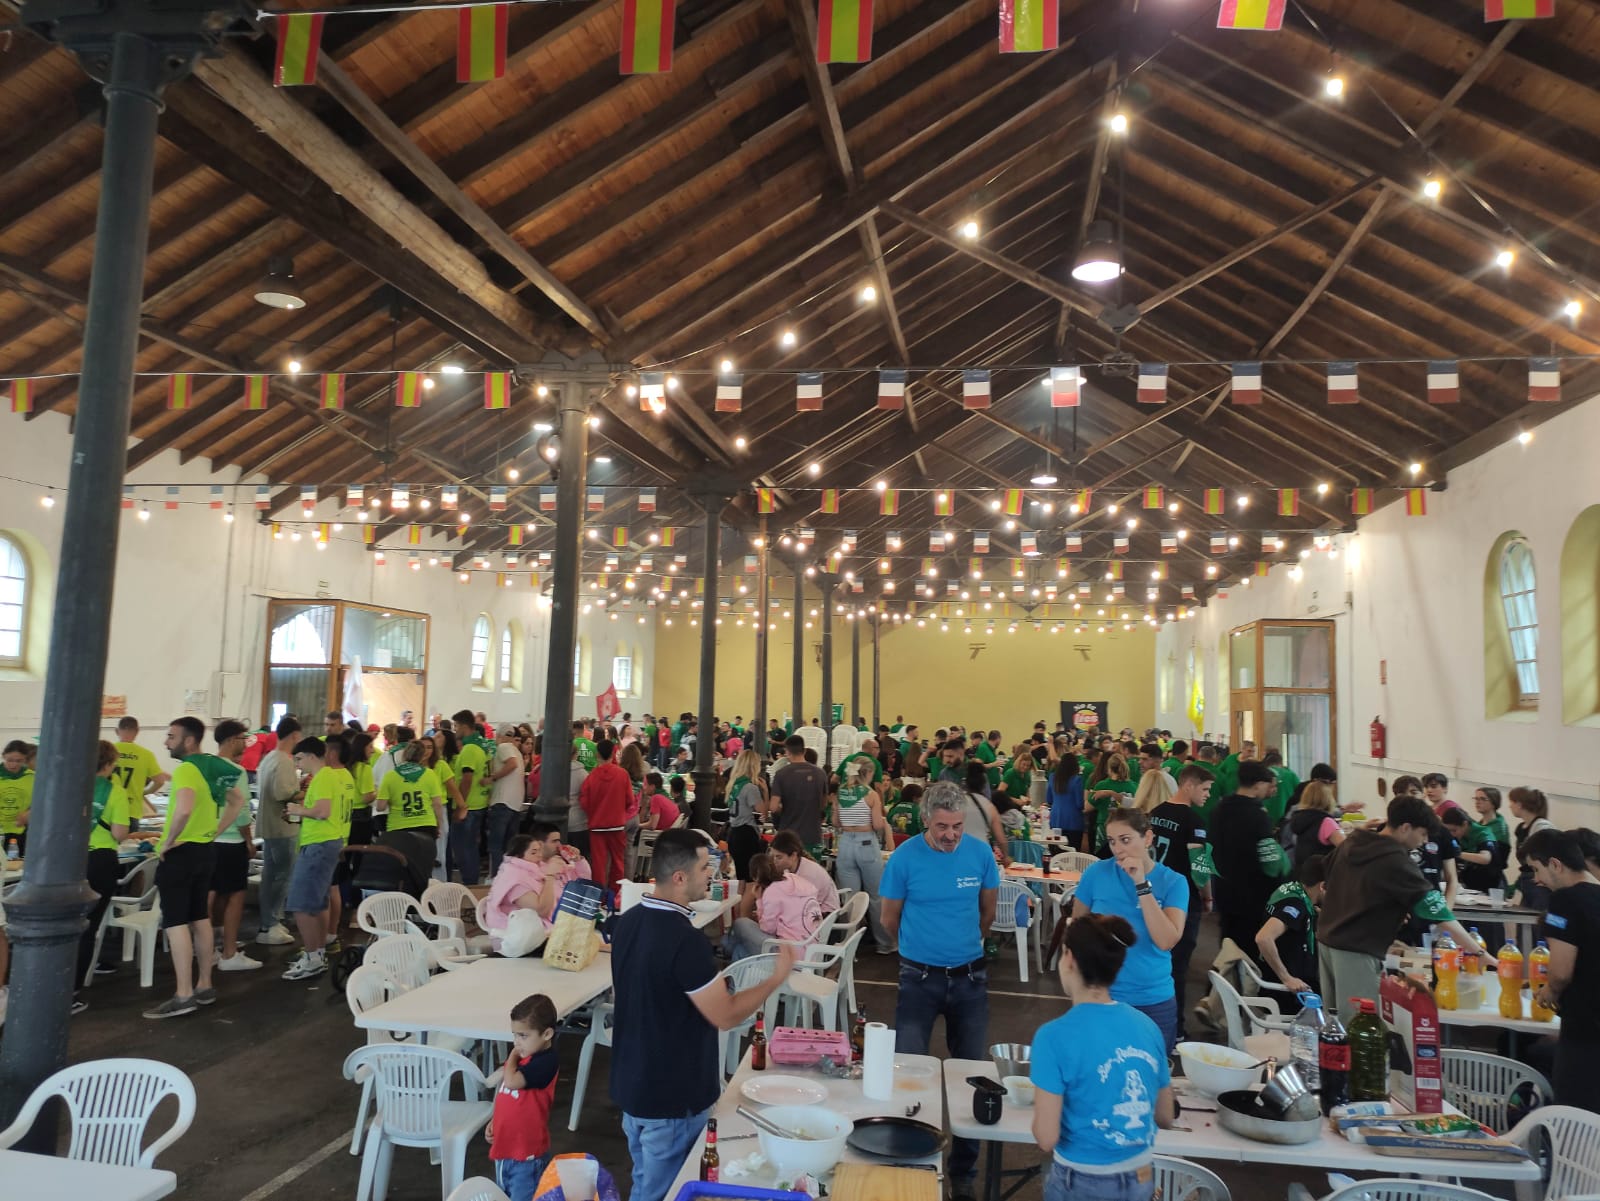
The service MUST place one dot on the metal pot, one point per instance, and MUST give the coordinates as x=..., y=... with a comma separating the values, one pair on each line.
x=1241, y=1112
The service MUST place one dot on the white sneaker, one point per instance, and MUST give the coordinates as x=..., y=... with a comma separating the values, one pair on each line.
x=277, y=936
x=306, y=966
x=238, y=962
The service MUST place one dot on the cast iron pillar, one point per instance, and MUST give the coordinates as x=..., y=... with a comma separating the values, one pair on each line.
x=877, y=620
x=855, y=668
x=705, y=743
x=799, y=630
x=758, y=720
x=827, y=579
x=135, y=51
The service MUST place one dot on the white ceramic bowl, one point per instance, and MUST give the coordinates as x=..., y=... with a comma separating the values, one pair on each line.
x=1019, y=1090
x=816, y=1154
x=1215, y=1069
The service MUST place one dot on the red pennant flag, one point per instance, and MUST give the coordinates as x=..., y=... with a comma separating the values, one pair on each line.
x=647, y=30
x=255, y=393
x=408, y=390
x=844, y=31
x=481, y=43
x=299, y=44
x=332, y=392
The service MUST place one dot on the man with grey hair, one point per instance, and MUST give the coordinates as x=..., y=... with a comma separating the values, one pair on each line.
x=939, y=892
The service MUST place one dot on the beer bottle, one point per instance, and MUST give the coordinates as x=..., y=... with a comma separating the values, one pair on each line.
x=710, y=1161
x=858, y=1036
x=758, y=1046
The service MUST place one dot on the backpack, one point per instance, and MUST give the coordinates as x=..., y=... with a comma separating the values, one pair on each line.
x=1298, y=837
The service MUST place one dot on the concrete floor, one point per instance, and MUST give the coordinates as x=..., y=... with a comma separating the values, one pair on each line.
x=275, y=1114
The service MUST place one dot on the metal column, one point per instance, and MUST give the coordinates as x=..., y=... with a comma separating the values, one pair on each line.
x=572, y=465
x=799, y=644
x=855, y=669
x=877, y=719
x=827, y=579
x=46, y=912
x=705, y=748
x=758, y=720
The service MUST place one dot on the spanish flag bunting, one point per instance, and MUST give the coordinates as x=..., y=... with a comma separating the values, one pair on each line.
x=496, y=389
x=1251, y=14
x=700, y=585
x=975, y=389
x=1288, y=502
x=889, y=502
x=619, y=536
x=1029, y=26
x=255, y=393
x=1518, y=10
x=1013, y=502
x=1082, y=498
x=1342, y=386
x=1017, y=567
x=1444, y=381
x=844, y=31
x=944, y=504
x=1066, y=384
x=368, y=534
x=1114, y=569
x=883, y=566
x=333, y=391
x=1155, y=496
x=481, y=43
x=179, y=388
x=299, y=44
x=1361, y=501
x=1213, y=501
x=764, y=502
x=1544, y=379
x=414, y=535
x=891, y=384
x=808, y=392
x=1247, y=383
x=928, y=569
x=1152, y=383
x=22, y=396
x=1416, y=502
x=1262, y=567
x=975, y=567
x=830, y=500
x=730, y=392
x=514, y=535
x=498, y=496
x=669, y=535
x=322, y=531
x=647, y=27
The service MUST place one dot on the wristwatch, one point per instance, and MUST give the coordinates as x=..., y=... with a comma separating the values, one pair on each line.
x=1144, y=889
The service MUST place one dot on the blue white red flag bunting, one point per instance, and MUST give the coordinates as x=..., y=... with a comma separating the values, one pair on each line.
x=1152, y=383
x=1544, y=379
x=975, y=389
x=1444, y=381
x=1246, y=383
x=1342, y=387
x=1066, y=385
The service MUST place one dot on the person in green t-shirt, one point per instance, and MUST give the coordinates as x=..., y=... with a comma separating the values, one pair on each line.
x=16, y=795
x=1108, y=792
x=324, y=825
x=1177, y=759
x=205, y=795
x=137, y=768
x=867, y=754
x=412, y=796
x=472, y=776
x=1228, y=771
x=588, y=756
x=234, y=849
x=1286, y=783
x=109, y=822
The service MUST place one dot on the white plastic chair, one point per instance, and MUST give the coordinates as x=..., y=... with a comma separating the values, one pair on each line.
x=599, y=1036
x=411, y=1090
x=815, y=738
x=1481, y=1085
x=403, y=957
x=742, y=975
x=131, y=905
x=110, y=1103
x=851, y=913
x=1072, y=861
x=810, y=984
x=478, y=1188
x=1393, y=1189
x=1574, y=1139
x=386, y=914
x=1245, y=1014
x=1005, y=920
x=139, y=919
x=1180, y=1180
x=368, y=987
x=447, y=904
x=1252, y=982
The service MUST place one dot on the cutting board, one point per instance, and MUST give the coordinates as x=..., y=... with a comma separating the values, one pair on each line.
x=875, y=1182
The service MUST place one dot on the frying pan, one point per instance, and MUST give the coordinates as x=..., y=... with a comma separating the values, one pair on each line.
x=897, y=1138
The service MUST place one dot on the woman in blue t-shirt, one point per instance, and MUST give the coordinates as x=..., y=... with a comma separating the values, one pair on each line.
x=1101, y=1074
x=1064, y=794
x=1150, y=897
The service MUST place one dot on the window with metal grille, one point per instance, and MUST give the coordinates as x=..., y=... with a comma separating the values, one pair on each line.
x=1518, y=595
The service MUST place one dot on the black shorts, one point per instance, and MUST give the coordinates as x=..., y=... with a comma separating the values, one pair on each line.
x=231, y=873
x=183, y=881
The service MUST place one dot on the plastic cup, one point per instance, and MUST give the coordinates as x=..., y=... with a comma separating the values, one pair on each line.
x=579, y=1178
x=1497, y=896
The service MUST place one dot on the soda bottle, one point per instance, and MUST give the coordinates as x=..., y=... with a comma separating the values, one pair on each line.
x=1473, y=964
x=858, y=1036
x=758, y=1046
x=1044, y=863
x=1446, y=966
x=1509, y=969
x=710, y=1161
x=1539, y=976
x=1333, y=1062
x=1369, y=1054
x=1303, y=1049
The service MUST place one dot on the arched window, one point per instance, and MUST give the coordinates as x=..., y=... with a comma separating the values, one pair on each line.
x=482, y=670
x=511, y=657
x=1511, y=628
x=1580, y=621
x=15, y=602
x=622, y=671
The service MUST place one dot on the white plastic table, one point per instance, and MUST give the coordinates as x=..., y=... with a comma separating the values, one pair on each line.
x=28, y=1175
x=736, y=1137
x=475, y=1001
x=1206, y=1139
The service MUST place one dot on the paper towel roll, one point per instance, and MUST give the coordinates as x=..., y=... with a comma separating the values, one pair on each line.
x=877, y=1063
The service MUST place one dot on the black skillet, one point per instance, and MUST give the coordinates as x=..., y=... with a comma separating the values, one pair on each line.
x=897, y=1138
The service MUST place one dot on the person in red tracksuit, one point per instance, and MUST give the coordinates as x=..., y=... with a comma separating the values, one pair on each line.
x=605, y=796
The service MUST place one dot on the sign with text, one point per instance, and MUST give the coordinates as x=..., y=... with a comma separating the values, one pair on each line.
x=113, y=706
x=1087, y=717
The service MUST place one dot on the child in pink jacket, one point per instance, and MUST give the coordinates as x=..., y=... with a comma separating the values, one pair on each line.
x=776, y=905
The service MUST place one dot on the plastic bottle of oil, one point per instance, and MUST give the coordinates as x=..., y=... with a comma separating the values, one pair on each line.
x=1509, y=968
x=1538, y=977
x=1446, y=967
x=1369, y=1054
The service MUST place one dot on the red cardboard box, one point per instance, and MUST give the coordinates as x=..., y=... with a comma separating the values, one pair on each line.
x=1407, y=1005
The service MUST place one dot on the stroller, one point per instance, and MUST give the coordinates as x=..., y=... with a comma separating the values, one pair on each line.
x=398, y=862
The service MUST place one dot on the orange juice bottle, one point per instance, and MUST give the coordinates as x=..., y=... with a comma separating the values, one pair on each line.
x=1509, y=969
x=1473, y=964
x=1539, y=975
x=1446, y=967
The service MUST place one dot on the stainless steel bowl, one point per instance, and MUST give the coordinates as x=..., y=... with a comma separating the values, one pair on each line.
x=1011, y=1059
x=1283, y=1088
x=1241, y=1113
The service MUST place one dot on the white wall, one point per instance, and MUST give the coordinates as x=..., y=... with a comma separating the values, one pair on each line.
x=192, y=591
x=1408, y=592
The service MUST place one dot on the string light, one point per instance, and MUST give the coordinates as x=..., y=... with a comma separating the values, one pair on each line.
x=427, y=383
x=1333, y=87
x=1505, y=258
x=452, y=369
x=788, y=338
x=868, y=293
x=969, y=230
x=1119, y=123
x=725, y=367
x=1525, y=437
x=1415, y=468
x=813, y=469
x=740, y=442
x=1432, y=187
x=1572, y=308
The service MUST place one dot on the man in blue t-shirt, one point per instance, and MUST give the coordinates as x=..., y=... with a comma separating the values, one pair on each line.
x=939, y=892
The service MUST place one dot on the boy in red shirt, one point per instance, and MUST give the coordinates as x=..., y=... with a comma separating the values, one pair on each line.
x=519, y=1131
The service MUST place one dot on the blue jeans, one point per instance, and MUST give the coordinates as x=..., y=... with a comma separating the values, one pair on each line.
x=1165, y=1015
x=277, y=865
x=1070, y=1184
x=658, y=1147
x=963, y=1002
x=464, y=835
x=502, y=825
x=519, y=1178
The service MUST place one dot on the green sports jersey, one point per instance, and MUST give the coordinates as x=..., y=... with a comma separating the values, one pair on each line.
x=1104, y=805
x=410, y=791
x=588, y=756
x=110, y=807
x=471, y=758
x=338, y=788
x=16, y=798
x=208, y=778
x=136, y=766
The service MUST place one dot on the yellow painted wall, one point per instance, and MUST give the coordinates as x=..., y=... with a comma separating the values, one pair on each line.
x=932, y=678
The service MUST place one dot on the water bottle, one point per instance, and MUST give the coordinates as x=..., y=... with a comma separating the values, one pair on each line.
x=1303, y=1039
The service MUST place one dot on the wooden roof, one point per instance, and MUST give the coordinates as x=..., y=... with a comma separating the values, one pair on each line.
x=684, y=218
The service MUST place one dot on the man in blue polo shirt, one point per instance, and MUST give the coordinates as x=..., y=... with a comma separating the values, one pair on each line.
x=939, y=893
x=670, y=1004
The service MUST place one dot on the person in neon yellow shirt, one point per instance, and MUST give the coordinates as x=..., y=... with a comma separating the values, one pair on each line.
x=472, y=777
x=137, y=769
x=16, y=794
x=411, y=794
x=324, y=826
x=205, y=795
x=110, y=817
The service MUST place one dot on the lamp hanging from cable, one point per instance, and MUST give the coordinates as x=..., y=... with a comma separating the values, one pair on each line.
x=277, y=289
x=1099, y=259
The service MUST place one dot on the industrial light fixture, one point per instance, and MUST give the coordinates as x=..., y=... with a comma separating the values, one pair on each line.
x=1099, y=259
x=277, y=288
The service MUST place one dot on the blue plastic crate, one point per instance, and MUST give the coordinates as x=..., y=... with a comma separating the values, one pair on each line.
x=697, y=1190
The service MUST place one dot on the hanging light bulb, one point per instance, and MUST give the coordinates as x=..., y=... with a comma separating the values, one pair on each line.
x=427, y=383
x=1572, y=308
x=1119, y=122
x=1333, y=86
x=868, y=293
x=1504, y=258
x=1432, y=187
x=788, y=338
x=1099, y=259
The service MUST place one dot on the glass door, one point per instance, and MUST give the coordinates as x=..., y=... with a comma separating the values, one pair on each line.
x=1283, y=690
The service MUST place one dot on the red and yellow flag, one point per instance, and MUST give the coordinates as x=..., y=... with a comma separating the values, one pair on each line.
x=1416, y=502
x=299, y=44
x=481, y=43
x=1013, y=502
x=647, y=27
x=619, y=536
x=414, y=535
x=889, y=502
x=1083, y=497
x=179, y=388
x=1252, y=14
x=514, y=535
x=669, y=535
x=1288, y=502
x=408, y=390
x=1514, y=10
x=1155, y=496
x=255, y=393
x=333, y=392
x=1361, y=501
x=764, y=500
x=368, y=534
x=1213, y=502
x=830, y=500
x=496, y=389
x=1029, y=26
x=844, y=31
x=22, y=396
x=943, y=505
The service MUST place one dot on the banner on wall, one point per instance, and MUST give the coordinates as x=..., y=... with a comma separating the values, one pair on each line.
x=606, y=705
x=1086, y=717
